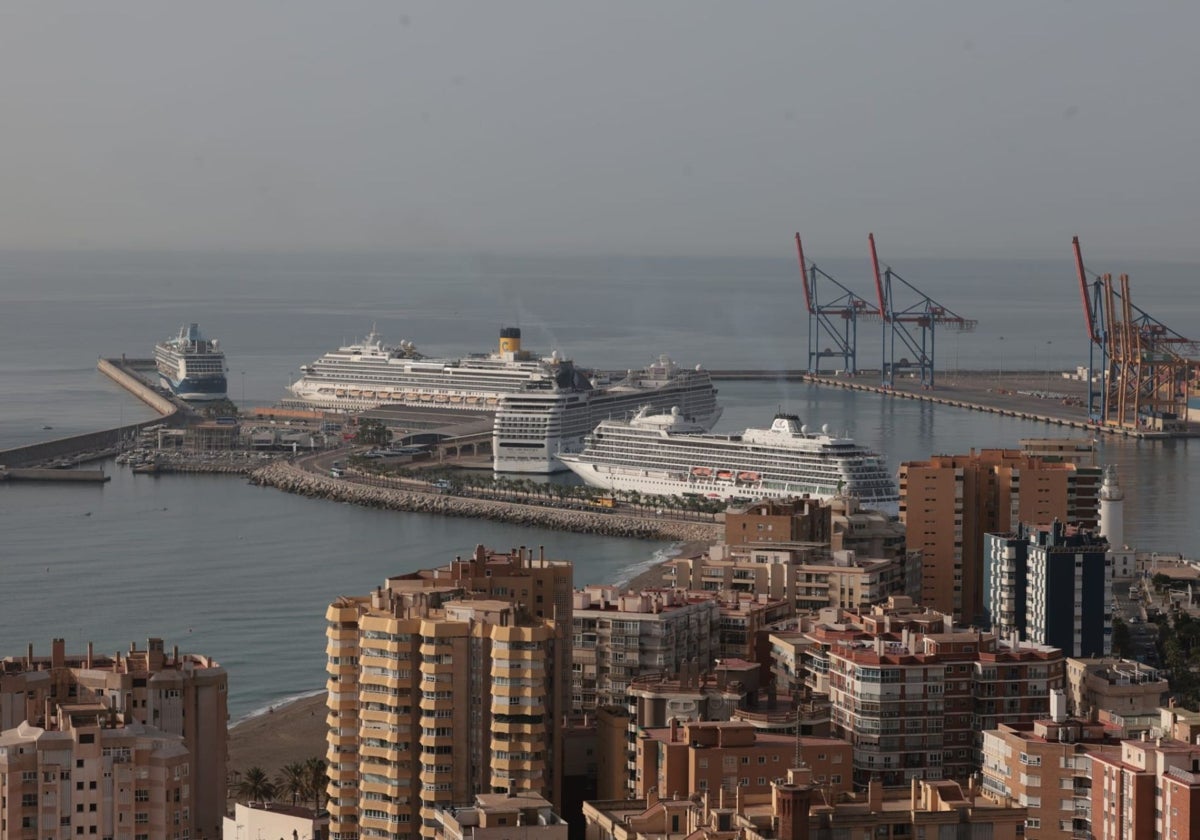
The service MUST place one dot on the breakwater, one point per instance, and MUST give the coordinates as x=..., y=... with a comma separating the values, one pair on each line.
x=292, y=479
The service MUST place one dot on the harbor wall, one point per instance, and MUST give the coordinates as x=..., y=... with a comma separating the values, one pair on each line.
x=105, y=439
x=293, y=479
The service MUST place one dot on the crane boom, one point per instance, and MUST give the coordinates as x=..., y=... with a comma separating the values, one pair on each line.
x=883, y=308
x=808, y=301
x=1083, y=291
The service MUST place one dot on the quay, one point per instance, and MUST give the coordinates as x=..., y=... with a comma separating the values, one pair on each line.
x=36, y=474
x=1039, y=396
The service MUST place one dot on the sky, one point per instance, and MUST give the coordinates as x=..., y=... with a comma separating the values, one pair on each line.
x=664, y=128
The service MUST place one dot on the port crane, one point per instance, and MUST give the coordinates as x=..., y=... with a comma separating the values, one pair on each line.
x=1140, y=371
x=833, y=322
x=914, y=325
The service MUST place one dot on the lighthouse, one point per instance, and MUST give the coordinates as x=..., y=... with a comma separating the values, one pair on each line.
x=1112, y=515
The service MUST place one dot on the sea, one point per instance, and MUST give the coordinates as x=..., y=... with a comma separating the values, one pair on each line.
x=241, y=573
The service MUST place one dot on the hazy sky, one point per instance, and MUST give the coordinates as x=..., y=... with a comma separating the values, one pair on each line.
x=952, y=128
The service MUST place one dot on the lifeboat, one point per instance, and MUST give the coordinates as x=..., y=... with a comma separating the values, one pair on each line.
x=370, y=395
x=491, y=401
x=384, y=395
x=411, y=395
x=340, y=392
x=724, y=475
x=441, y=398
x=701, y=472
x=749, y=477
x=353, y=392
x=472, y=400
x=456, y=398
x=426, y=397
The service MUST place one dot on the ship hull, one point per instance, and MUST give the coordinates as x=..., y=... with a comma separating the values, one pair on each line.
x=197, y=389
x=650, y=482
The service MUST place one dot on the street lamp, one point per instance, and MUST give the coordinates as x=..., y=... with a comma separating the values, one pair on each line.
x=1001, y=357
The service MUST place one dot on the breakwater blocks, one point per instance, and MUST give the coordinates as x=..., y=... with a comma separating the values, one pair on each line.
x=292, y=479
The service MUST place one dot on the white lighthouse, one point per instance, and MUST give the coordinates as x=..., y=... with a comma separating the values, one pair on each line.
x=1112, y=513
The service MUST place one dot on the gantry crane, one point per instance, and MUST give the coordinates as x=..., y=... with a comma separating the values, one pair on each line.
x=1146, y=369
x=832, y=323
x=923, y=316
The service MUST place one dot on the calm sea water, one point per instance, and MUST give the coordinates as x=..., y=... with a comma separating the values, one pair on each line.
x=245, y=573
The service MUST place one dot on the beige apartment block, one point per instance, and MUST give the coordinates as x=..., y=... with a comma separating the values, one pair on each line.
x=811, y=578
x=734, y=758
x=1149, y=788
x=1120, y=686
x=444, y=685
x=501, y=816
x=949, y=502
x=837, y=524
x=1045, y=766
x=795, y=808
x=274, y=819
x=169, y=703
x=619, y=636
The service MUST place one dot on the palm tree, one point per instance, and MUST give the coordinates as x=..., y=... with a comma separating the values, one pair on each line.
x=318, y=779
x=292, y=781
x=256, y=785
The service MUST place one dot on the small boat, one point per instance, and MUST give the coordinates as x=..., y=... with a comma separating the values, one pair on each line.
x=491, y=401
x=353, y=392
x=724, y=475
x=472, y=400
x=441, y=398
x=411, y=395
x=384, y=395
x=456, y=398
x=368, y=395
x=701, y=472
x=426, y=397
x=748, y=477
x=340, y=392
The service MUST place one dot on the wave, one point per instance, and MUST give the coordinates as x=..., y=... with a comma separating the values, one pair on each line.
x=275, y=704
x=657, y=558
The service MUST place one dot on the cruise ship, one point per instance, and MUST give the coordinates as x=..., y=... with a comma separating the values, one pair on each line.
x=192, y=366
x=664, y=455
x=542, y=406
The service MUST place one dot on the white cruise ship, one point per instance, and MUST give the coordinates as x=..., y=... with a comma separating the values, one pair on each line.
x=664, y=454
x=191, y=366
x=542, y=406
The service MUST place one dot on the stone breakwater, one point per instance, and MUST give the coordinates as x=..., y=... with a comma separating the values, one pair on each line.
x=292, y=479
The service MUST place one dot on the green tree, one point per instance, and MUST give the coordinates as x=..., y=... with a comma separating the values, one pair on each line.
x=373, y=433
x=256, y=785
x=292, y=781
x=317, y=774
x=1122, y=642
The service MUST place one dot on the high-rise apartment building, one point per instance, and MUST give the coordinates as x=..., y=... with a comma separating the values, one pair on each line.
x=128, y=746
x=1032, y=577
x=949, y=502
x=619, y=636
x=444, y=685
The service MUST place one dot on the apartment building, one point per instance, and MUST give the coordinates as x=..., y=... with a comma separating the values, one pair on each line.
x=444, y=685
x=1121, y=686
x=618, y=636
x=1045, y=766
x=85, y=730
x=949, y=502
x=1033, y=574
x=733, y=757
x=796, y=808
x=500, y=816
x=911, y=691
x=837, y=524
x=1150, y=788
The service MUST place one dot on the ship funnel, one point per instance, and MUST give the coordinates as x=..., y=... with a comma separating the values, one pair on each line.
x=510, y=340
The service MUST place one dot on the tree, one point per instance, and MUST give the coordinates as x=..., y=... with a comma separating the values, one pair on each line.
x=1122, y=642
x=373, y=433
x=256, y=785
x=292, y=781
x=317, y=778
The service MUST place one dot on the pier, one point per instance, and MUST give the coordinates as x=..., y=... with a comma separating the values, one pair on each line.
x=1038, y=396
x=92, y=446
x=36, y=474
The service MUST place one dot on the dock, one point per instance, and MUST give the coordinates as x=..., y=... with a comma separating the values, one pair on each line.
x=39, y=474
